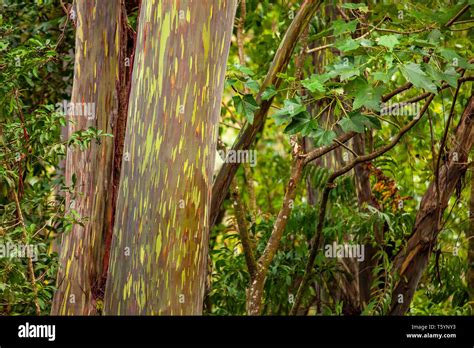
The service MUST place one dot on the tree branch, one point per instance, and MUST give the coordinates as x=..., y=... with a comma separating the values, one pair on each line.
x=249, y=133
x=243, y=231
x=318, y=238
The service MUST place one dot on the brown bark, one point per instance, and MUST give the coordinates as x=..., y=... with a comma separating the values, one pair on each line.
x=470, y=250
x=412, y=260
x=96, y=81
x=255, y=291
x=365, y=196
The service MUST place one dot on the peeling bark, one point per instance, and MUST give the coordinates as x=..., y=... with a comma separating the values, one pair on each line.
x=159, y=249
x=411, y=261
x=96, y=76
x=470, y=250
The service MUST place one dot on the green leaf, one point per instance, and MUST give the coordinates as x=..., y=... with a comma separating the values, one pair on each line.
x=323, y=136
x=269, y=92
x=449, y=75
x=381, y=76
x=346, y=45
x=389, y=41
x=369, y=97
x=244, y=69
x=314, y=83
x=374, y=121
x=230, y=82
x=417, y=77
x=246, y=106
x=292, y=107
x=356, y=122
x=252, y=85
x=366, y=43
x=354, y=6
x=286, y=77
x=345, y=71
x=455, y=59
x=301, y=123
x=340, y=27
x=434, y=36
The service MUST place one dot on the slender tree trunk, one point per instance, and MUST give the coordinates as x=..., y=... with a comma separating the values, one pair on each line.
x=159, y=249
x=411, y=261
x=470, y=251
x=96, y=83
x=365, y=196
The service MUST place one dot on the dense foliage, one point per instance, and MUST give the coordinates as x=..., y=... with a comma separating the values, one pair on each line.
x=350, y=56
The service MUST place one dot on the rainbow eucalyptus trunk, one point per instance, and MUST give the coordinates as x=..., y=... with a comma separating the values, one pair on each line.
x=160, y=243
x=96, y=103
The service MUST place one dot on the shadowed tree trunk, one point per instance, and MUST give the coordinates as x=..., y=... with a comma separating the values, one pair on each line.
x=365, y=196
x=412, y=260
x=97, y=82
x=470, y=250
x=159, y=250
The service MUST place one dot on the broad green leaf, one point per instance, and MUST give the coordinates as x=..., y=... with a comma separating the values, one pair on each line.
x=449, y=75
x=354, y=6
x=246, y=106
x=252, y=85
x=417, y=77
x=291, y=108
x=340, y=26
x=366, y=43
x=301, y=123
x=244, y=70
x=347, y=45
x=381, y=76
x=356, y=122
x=269, y=92
x=455, y=59
x=389, y=41
x=314, y=83
x=369, y=97
x=323, y=136
x=345, y=71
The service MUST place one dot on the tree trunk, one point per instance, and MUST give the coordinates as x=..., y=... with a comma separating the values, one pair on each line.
x=96, y=82
x=470, y=250
x=411, y=261
x=160, y=244
x=365, y=196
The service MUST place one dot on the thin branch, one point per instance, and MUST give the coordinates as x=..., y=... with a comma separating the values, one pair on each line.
x=442, y=145
x=459, y=14
x=248, y=134
x=317, y=239
x=255, y=292
x=321, y=151
x=243, y=231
